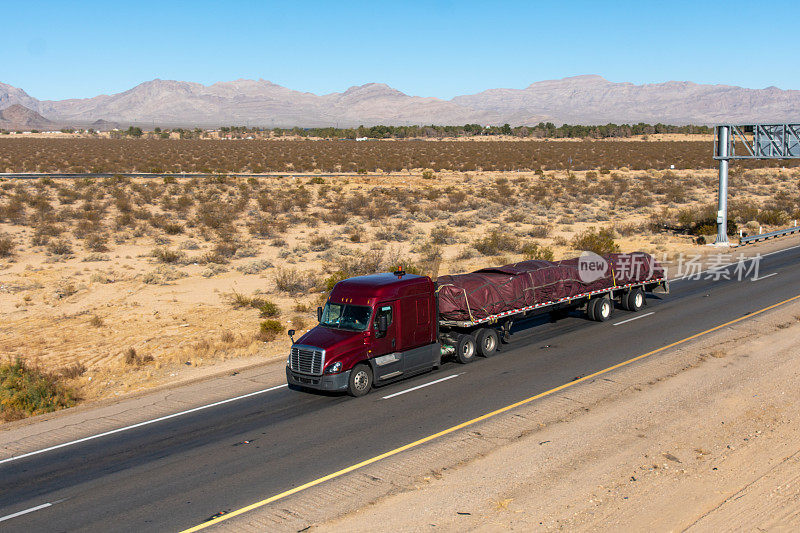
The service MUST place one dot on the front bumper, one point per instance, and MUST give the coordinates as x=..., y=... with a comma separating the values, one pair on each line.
x=329, y=382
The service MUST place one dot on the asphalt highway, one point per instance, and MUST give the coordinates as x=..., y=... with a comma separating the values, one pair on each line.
x=177, y=473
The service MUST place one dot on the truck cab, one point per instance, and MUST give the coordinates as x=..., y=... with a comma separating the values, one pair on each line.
x=372, y=330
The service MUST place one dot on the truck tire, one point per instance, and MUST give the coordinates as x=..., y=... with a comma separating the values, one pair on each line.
x=487, y=340
x=590, y=308
x=634, y=300
x=465, y=349
x=603, y=309
x=360, y=381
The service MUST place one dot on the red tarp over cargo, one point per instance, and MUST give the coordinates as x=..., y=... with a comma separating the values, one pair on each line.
x=489, y=291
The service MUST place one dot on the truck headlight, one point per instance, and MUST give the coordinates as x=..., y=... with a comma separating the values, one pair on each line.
x=289, y=360
x=335, y=368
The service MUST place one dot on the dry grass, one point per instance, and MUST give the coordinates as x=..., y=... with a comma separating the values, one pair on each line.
x=190, y=268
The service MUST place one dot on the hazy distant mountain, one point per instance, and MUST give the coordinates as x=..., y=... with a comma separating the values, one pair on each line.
x=11, y=95
x=19, y=117
x=576, y=100
x=595, y=100
x=255, y=103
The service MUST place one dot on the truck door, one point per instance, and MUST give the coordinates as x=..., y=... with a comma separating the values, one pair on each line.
x=388, y=361
x=416, y=324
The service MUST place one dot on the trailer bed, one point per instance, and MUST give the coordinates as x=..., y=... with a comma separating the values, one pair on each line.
x=490, y=295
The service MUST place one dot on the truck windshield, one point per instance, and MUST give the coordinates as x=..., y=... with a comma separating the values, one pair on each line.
x=345, y=316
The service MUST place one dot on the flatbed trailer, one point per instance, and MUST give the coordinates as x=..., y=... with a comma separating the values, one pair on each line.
x=597, y=304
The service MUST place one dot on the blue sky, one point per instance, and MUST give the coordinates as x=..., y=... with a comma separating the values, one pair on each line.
x=61, y=49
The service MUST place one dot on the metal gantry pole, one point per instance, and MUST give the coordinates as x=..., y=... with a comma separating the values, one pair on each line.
x=723, y=134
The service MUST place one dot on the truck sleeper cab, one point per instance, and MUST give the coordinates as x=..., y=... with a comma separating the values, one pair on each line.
x=372, y=330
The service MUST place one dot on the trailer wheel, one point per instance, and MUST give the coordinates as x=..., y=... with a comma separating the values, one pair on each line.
x=634, y=300
x=487, y=339
x=590, y=308
x=603, y=308
x=360, y=381
x=465, y=349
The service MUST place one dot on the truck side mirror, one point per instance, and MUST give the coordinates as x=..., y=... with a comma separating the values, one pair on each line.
x=319, y=314
x=291, y=335
x=382, y=325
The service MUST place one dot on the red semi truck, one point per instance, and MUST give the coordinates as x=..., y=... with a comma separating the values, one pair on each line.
x=380, y=328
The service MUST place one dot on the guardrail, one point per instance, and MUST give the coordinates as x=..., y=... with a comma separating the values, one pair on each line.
x=771, y=235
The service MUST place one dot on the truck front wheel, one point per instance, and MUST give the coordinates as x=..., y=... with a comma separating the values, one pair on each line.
x=360, y=381
x=486, y=340
x=465, y=349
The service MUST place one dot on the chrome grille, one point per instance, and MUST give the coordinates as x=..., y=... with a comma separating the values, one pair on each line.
x=306, y=359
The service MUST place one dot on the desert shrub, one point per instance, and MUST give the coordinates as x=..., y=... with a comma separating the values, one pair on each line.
x=298, y=322
x=59, y=248
x=772, y=217
x=294, y=281
x=101, y=277
x=165, y=255
x=269, y=330
x=172, y=228
x=6, y=245
x=238, y=300
x=300, y=307
x=132, y=358
x=708, y=226
x=533, y=250
x=96, y=321
x=64, y=289
x=428, y=174
x=215, y=215
x=743, y=210
x=675, y=192
x=73, y=371
x=632, y=228
x=255, y=267
x=95, y=257
x=162, y=275
x=227, y=337
x=539, y=231
x=261, y=227
x=496, y=242
x=26, y=391
x=213, y=269
x=442, y=235
x=96, y=243
x=319, y=243
x=268, y=309
x=515, y=216
x=600, y=241
x=246, y=250
x=226, y=249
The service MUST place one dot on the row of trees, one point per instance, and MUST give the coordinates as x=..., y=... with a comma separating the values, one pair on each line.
x=540, y=131
x=543, y=130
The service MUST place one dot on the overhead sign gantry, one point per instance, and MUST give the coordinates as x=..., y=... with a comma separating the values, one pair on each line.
x=749, y=141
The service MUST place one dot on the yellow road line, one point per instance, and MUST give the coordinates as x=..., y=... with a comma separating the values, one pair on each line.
x=491, y=414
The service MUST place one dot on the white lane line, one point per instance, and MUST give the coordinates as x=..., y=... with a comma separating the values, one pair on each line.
x=421, y=386
x=765, y=277
x=26, y=511
x=634, y=318
x=140, y=424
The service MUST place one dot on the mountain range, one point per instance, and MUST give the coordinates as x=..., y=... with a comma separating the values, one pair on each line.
x=576, y=100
